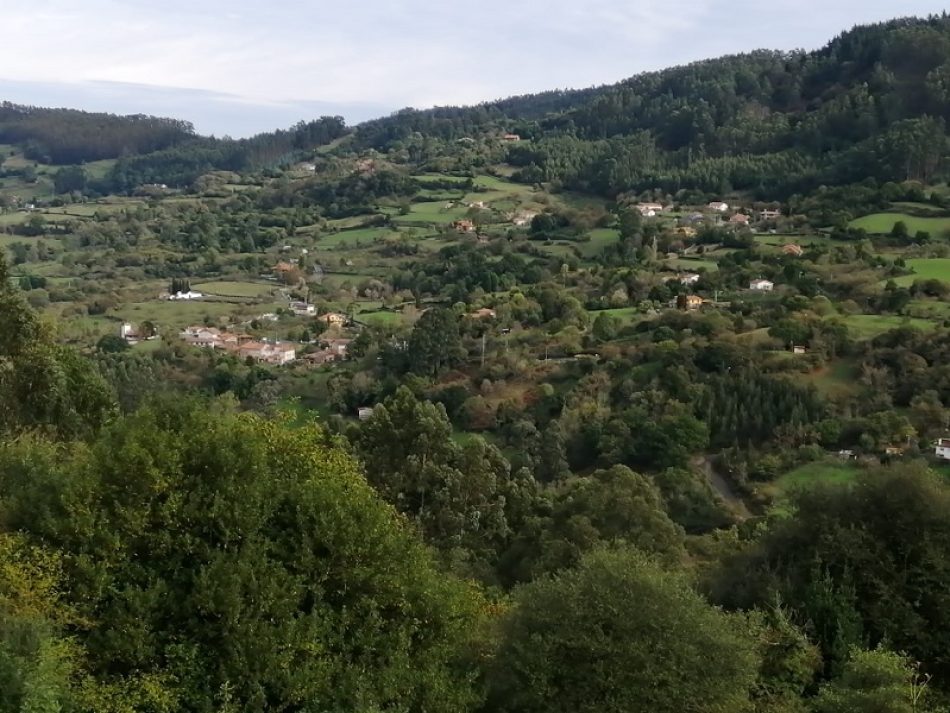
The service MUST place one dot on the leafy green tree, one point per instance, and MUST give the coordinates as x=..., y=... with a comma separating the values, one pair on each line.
x=70, y=178
x=39, y=667
x=866, y=563
x=44, y=385
x=900, y=231
x=606, y=326
x=552, y=458
x=601, y=638
x=460, y=495
x=878, y=681
x=111, y=344
x=435, y=343
x=215, y=557
x=610, y=506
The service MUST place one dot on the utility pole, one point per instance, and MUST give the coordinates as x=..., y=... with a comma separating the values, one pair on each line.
x=484, y=334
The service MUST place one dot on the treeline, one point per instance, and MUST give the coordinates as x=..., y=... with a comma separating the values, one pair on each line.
x=150, y=149
x=65, y=136
x=180, y=165
x=872, y=103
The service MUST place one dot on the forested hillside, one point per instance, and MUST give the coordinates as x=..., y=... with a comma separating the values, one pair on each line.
x=150, y=149
x=872, y=103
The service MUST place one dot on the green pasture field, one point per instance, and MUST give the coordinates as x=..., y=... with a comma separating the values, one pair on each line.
x=492, y=183
x=599, y=239
x=382, y=318
x=432, y=212
x=825, y=472
x=350, y=238
x=839, y=379
x=624, y=314
x=867, y=326
x=178, y=314
x=689, y=263
x=928, y=309
x=881, y=223
x=51, y=242
x=424, y=178
x=927, y=268
x=353, y=221
x=230, y=288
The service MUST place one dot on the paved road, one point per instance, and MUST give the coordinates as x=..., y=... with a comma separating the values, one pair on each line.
x=722, y=487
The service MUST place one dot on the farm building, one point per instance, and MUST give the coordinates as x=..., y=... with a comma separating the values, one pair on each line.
x=483, y=313
x=302, y=309
x=718, y=206
x=648, y=210
x=333, y=319
x=762, y=285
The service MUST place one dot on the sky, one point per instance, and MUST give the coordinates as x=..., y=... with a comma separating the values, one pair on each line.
x=244, y=66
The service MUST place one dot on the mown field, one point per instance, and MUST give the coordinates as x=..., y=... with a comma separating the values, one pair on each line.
x=935, y=268
x=354, y=238
x=229, y=288
x=867, y=326
x=881, y=223
x=823, y=472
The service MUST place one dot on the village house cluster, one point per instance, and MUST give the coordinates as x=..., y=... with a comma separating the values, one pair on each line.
x=271, y=352
x=242, y=345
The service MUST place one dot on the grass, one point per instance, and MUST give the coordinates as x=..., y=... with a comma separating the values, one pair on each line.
x=625, y=314
x=884, y=222
x=867, y=326
x=599, y=239
x=689, y=263
x=493, y=183
x=431, y=212
x=933, y=268
x=351, y=238
x=228, y=288
x=171, y=315
x=838, y=379
x=825, y=472
x=382, y=318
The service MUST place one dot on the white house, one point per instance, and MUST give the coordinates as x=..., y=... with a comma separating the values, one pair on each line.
x=523, y=218
x=189, y=295
x=128, y=333
x=762, y=285
x=649, y=210
x=942, y=448
x=718, y=206
x=364, y=412
x=690, y=278
x=197, y=336
x=303, y=309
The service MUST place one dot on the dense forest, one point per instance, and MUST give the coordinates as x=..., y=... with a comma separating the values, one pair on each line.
x=151, y=149
x=872, y=103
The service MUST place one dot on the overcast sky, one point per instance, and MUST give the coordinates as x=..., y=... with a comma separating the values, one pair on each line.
x=244, y=66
